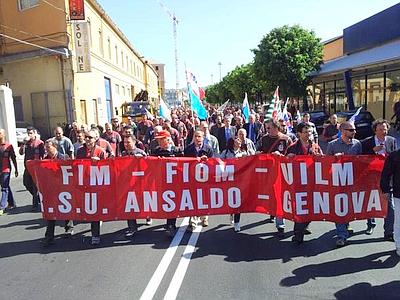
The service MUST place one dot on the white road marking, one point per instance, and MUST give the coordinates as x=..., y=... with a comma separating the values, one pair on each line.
x=263, y=197
x=139, y=173
x=158, y=275
x=183, y=265
x=261, y=170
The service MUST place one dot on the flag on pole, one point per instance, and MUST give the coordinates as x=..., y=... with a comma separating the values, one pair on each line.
x=197, y=90
x=246, y=108
x=272, y=111
x=195, y=94
x=223, y=106
x=285, y=116
x=353, y=117
x=165, y=112
x=196, y=104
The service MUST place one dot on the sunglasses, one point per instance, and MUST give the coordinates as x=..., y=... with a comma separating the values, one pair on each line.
x=89, y=137
x=351, y=129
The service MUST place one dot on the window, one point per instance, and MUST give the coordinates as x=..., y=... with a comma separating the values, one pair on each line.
x=26, y=4
x=392, y=92
x=131, y=66
x=19, y=113
x=109, y=47
x=90, y=31
x=123, y=91
x=127, y=65
x=117, y=89
x=122, y=58
x=375, y=93
x=116, y=54
x=101, y=43
x=107, y=85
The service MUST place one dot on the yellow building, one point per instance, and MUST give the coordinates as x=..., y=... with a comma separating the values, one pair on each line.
x=84, y=72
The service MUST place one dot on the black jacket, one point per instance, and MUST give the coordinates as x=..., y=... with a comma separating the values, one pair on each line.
x=369, y=143
x=390, y=178
x=191, y=151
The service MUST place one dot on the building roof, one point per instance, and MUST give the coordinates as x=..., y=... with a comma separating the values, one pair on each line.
x=377, y=55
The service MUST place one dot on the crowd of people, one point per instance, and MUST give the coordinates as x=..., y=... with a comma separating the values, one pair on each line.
x=225, y=134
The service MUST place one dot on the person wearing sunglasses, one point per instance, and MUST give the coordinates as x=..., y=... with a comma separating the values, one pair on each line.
x=346, y=144
x=95, y=153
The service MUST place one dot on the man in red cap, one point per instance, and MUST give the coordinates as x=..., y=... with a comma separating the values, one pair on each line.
x=166, y=148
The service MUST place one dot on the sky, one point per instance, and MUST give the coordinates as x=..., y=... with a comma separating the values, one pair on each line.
x=224, y=31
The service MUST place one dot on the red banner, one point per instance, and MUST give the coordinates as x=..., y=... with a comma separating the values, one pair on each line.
x=77, y=9
x=304, y=188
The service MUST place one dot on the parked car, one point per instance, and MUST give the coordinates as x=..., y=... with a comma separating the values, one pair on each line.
x=363, y=122
x=21, y=133
x=318, y=117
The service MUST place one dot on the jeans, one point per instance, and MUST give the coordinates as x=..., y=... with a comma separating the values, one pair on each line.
x=95, y=228
x=341, y=231
x=389, y=220
x=31, y=187
x=132, y=224
x=236, y=218
x=6, y=194
x=279, y=223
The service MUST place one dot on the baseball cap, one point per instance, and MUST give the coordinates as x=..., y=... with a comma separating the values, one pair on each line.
x=162, y=134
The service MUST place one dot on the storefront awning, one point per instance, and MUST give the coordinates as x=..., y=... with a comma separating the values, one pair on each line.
x=378, y=55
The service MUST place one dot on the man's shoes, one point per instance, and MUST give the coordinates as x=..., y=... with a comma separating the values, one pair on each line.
x=46, y=242
x=398, y=251
x=236, y=227
x=271, y=219
x=171, y=230
x=389, y=237
x=350, y=230
x=298, y=238
x=370, y=230
x=204, y=223
x=231, y=220
x=307, y=231
x=149, y=221
x=95, y=241
x=130, y=233
x=340, y=243
x=281, y=233
x=191, y=227
x=68, y=233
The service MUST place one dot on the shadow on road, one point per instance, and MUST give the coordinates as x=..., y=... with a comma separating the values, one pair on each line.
x=348, y=265
x=365, y=291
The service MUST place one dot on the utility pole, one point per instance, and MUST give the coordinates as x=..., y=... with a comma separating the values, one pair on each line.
x=220, y=64
x=212, y=79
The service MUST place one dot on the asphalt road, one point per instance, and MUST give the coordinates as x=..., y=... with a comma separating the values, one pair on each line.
x=216, y=263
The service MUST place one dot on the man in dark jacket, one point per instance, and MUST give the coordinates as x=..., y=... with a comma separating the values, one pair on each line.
x=381, y=144
x=390, y=183
x=198, y=149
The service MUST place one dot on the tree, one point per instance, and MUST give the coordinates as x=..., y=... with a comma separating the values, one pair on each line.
x=285, y=57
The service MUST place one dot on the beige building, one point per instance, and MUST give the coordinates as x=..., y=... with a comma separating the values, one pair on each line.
x=84, y=72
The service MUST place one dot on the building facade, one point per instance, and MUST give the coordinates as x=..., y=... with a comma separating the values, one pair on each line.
x=84, y=72
x=361, y=68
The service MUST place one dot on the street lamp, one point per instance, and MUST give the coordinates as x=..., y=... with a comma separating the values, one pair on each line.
x=220, y=64
x=212, y=79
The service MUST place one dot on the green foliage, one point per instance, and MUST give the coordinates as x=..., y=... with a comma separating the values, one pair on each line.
x=284, y=58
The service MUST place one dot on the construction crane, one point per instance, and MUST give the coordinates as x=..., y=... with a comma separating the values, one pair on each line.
x=174, y=24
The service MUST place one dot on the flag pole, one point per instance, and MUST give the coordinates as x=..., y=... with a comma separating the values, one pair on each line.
x=187, y=84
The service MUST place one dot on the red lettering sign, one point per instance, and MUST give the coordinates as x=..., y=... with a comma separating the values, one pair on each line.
x=76, y=10
x=302, y=189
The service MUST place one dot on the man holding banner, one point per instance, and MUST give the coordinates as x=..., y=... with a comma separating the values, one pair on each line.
x=345, y=145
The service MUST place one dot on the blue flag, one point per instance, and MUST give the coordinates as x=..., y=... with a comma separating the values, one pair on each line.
x=165, y=112
x=353, y=117
x=196, y=104
x=246, y=108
